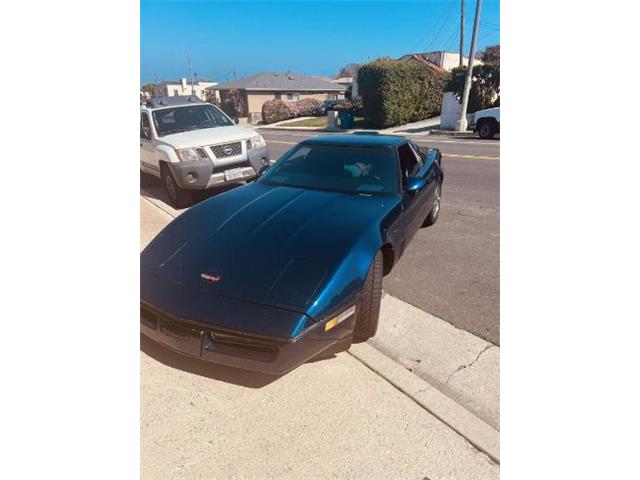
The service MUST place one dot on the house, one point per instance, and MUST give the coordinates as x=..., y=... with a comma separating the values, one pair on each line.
x=183, y=87
x=287, y=86
x=445, y=60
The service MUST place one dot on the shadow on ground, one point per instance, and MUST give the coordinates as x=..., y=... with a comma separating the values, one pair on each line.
x=236, y=376
x=151, y=186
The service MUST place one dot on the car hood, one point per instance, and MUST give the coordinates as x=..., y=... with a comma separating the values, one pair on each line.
x=267, y=245
x=208, y=136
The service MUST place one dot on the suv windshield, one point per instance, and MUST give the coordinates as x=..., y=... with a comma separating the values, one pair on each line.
x=327, y=167
x=190, y=117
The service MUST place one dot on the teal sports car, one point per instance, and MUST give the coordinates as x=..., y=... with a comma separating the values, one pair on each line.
x=272, y=274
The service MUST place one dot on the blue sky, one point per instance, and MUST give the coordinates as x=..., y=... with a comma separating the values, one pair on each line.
x=311, y=37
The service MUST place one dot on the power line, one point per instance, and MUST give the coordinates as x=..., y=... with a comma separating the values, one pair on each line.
x=439, y=21
x=437, y=35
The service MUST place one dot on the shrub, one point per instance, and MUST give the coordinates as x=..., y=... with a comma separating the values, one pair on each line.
x=485, y=86
x=395, y=92
x=354, y=106
x=276, y=111
x=306, y=106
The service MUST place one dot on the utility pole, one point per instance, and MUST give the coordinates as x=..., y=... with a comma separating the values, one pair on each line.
x=190, y=73
x=461, y=34
x=462, y=123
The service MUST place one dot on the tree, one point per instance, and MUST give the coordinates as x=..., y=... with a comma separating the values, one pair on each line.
x=491, y=54
x=485, y=86
x=148, y=88
x=348, y=70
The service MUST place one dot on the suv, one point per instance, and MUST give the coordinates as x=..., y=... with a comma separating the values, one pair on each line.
x=486, y=122
x=192, y=145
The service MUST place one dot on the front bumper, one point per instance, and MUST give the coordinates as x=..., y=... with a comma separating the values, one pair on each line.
x=270, y=355
x=202, y=174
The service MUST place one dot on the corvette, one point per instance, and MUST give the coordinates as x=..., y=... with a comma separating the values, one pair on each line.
x=269, y=275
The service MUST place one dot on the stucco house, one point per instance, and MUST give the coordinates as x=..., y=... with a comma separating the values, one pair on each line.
x=183, y=87
x=445, y=60
x=287, y=86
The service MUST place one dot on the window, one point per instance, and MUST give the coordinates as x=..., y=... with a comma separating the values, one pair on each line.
x=409, y=164
x=192, y=117
x=175, y=92
x=332, y=96
x=293, y=96
x=337, y=168
x=145, y=126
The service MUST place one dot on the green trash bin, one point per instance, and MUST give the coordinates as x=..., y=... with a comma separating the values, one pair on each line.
x=346, y=119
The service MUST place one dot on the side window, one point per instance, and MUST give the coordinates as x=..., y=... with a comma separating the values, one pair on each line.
x=145, y=128
x=416, y=151
x=409, y=164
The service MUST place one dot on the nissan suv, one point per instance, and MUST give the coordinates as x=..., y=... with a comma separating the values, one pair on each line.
x=192, y=145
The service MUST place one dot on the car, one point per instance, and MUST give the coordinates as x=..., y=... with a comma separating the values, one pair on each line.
x=192, y=145
x=486, y=122
x=289, y=267
x=324, y=107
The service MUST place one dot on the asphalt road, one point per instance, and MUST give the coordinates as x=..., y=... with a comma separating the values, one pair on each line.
x=452, y=269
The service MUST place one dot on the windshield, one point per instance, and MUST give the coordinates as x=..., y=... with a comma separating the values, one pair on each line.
x=191, y=117
x=345, y=169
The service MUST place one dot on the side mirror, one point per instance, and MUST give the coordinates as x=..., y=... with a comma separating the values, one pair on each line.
x=144, y=134
x=415, y=184
x=263, y=170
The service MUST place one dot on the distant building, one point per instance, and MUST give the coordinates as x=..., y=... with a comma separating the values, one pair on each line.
x=445, y=60
x=183, y=87
x=288, y=86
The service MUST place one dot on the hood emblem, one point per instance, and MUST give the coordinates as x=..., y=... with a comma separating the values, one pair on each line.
x=208, y=277
x=227, y=150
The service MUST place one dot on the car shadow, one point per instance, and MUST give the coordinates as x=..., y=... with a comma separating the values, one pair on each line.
x=236, y=376
x=151, y=186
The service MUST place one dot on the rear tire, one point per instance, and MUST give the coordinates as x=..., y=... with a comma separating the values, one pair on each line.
x=368, y=307
x=487, y=130
x=179, y=197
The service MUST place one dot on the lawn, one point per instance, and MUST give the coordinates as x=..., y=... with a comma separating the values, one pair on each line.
x=321, y=122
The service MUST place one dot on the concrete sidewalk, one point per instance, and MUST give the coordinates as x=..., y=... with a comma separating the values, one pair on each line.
x=332, y=418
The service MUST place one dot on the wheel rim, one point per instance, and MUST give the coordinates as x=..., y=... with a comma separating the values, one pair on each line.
x=170, y=186
x=436, y=203
x=484, y=130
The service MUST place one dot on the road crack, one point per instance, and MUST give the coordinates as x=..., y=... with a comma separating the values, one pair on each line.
x=462, y=367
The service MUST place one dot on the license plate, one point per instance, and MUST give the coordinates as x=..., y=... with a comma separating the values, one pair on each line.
x=233, y=174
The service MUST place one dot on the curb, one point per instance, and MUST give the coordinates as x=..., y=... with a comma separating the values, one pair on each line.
x=302, y=129
x=478, y=433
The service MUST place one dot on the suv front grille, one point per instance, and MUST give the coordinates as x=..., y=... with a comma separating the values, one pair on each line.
x=227, y=150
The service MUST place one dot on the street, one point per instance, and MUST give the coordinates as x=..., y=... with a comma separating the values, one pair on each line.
x=452, y=269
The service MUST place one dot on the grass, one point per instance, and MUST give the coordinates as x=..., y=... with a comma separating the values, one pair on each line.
x=321, y=122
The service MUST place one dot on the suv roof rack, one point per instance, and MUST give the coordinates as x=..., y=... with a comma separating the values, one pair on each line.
x=156, y=102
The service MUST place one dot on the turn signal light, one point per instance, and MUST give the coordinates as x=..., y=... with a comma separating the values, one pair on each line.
x=339, y=318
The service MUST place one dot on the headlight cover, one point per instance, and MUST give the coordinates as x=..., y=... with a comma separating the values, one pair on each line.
x=187, y=155
x=257, y=142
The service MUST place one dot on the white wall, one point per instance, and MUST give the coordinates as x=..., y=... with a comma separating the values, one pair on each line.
x=450, y=112
x=184, y=88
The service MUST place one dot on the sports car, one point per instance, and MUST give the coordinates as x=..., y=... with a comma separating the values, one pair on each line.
x=274, y=273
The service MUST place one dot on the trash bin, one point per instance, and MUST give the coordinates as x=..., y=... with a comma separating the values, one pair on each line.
x=346, y=119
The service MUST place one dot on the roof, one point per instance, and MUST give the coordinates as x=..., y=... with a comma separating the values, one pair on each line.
x=357, y=140
x=419, y=58
x=287, y=82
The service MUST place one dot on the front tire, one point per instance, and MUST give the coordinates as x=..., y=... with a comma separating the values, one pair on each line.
x=368, y=308
x=435, y=208
x=179, y=197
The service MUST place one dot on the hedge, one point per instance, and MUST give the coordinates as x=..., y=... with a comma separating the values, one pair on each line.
x=485, y=86
x=396, y=92
x=306, y=106
x=276, y=110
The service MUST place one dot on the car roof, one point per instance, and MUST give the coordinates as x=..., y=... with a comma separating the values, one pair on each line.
x=357, y=140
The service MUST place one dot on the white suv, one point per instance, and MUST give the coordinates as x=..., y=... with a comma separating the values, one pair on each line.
x=192, y=145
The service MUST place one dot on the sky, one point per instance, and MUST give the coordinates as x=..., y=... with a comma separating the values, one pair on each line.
x=302, y=36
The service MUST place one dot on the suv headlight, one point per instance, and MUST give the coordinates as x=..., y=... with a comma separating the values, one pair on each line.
x=257, y=142
x=187, y=154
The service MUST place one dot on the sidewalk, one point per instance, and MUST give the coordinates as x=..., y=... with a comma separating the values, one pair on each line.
x=334, y=418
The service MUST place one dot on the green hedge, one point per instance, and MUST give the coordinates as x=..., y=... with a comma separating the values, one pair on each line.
x=397, y=92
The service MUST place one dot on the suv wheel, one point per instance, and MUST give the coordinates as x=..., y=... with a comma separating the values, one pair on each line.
x=487, y=129
x=368, y=308
x=179, y=197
